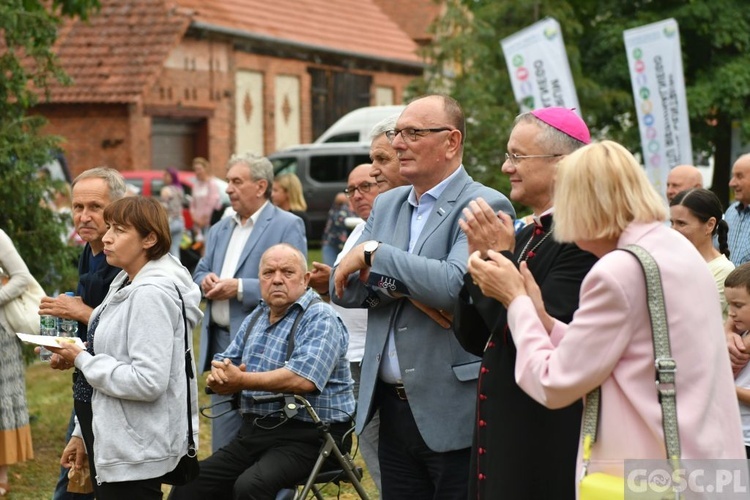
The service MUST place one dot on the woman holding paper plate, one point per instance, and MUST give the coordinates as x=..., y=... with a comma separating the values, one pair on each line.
x=15, y=433
x=604, y=202
x=134, y=362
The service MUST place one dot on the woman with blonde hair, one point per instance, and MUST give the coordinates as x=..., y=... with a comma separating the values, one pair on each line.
x=603, y=203
x=287, y=195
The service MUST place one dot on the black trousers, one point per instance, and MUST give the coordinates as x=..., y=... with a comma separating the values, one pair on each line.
x=409, y=469
x=264, y=458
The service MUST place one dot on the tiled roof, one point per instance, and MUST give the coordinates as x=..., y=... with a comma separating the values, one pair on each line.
x=121, y=50
x=115, y=55
x=413, y=16
x=355, y=27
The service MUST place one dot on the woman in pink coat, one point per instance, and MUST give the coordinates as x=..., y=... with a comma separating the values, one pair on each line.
x=603, y=202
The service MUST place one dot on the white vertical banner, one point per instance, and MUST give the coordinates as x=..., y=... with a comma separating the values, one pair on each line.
x=538, y=67
x=655, y=62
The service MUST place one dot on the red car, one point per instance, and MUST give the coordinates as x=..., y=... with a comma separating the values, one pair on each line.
x=150, y=182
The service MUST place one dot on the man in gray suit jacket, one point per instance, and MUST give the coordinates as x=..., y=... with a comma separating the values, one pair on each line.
x=413, y=369
x=228, y=272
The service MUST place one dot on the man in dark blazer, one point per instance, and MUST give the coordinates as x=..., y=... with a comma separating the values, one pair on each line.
x=413, y=369
x=521, y=449
x=92, y=191
x=228, y=272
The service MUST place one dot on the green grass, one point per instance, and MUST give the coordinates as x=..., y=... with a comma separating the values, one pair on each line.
x=50, y=401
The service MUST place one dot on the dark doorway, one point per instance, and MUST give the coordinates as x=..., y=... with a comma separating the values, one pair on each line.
x=174, y=143
x=334, y=94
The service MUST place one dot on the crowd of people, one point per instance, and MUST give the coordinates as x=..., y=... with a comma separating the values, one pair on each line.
x=465, y=345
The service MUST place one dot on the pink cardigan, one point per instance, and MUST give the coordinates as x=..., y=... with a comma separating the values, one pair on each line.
x=608, y=343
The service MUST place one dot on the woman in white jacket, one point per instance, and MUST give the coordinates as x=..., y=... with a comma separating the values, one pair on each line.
x=134, y=359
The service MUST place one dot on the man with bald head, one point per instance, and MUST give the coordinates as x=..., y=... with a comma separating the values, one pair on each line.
x=738, y=213
x=683, y=177
x=412, y=251
x=272, y=452
x=361, y=191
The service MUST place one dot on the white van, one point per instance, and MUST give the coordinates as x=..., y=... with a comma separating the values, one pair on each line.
x=356, y=125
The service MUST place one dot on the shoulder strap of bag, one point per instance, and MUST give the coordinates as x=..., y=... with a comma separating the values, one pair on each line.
x=663, y=361
x=192, y=451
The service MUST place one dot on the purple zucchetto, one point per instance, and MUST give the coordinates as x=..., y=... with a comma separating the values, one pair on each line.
x=566, y=121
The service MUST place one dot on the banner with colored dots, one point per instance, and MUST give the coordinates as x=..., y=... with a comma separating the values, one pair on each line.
x=655, y=63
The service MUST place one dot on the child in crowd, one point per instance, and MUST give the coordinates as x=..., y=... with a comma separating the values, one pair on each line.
x=737, y=291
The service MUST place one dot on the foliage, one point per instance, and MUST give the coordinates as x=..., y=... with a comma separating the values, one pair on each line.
x=467, y=61
x=27, y=63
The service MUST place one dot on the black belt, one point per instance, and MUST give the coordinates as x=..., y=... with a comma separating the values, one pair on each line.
x=395, y=389
x=214, y=326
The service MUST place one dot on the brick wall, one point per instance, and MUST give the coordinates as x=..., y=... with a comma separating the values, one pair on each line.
x=195, y=84
x=93, y=134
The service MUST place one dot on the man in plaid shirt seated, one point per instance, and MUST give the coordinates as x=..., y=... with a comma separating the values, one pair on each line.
x=272, y=452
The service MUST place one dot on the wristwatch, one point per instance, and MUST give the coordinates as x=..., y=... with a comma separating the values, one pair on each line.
x=370, y=248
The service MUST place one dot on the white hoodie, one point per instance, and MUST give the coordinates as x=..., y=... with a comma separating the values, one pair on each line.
x=138, y=373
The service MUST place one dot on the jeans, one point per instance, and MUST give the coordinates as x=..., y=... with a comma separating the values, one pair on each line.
x=176, y=228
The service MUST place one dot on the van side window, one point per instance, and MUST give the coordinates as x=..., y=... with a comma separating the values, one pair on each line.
x=329, y=168
x=284, y=166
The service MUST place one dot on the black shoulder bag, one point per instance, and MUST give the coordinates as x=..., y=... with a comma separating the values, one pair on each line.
x=187, y=468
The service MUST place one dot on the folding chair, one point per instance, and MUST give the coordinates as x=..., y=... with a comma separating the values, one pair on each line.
x=348, y=471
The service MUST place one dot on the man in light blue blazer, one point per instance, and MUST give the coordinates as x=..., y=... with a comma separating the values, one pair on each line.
x=413, y=370
x=228, y=272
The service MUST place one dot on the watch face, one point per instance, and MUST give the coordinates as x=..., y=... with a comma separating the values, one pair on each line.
x=371, y=246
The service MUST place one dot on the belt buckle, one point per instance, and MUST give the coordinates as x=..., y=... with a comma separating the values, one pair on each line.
x=400, y=392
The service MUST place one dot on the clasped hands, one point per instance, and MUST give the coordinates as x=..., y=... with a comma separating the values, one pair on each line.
x=225, y=377
x=215, y=288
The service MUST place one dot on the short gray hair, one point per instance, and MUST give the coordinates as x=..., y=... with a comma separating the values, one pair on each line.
x=383, y=126
x=260, y=167
x=113, y=178
x=552, y=140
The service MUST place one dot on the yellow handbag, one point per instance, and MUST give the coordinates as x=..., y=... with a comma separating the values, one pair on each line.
x=598, y=486
x=601, y=486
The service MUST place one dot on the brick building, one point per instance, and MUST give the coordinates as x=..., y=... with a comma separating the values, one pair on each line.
x=158, y=83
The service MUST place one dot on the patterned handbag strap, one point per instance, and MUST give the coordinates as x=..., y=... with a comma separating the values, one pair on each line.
x=664, y=363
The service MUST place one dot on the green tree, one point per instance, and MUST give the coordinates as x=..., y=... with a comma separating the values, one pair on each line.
x=27, y=63
x=467, y=62
x=715, y=39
